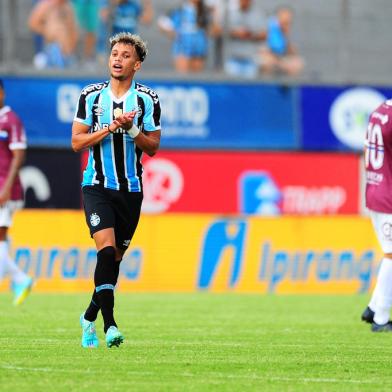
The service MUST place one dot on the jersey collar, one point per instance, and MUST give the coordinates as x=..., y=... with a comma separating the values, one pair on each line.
x=122, y=98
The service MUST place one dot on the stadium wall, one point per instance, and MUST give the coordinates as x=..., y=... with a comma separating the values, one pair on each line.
x=216, y=115
x=204, y=252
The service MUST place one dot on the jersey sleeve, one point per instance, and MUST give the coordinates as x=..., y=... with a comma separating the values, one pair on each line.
x=84, y=113
x=152, y=116
x=17, y=134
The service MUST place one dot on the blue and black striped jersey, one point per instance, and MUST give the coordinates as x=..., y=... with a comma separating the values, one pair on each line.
x=115, y=162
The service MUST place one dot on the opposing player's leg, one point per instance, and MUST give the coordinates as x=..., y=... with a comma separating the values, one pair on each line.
x=21, y=283
x=381, y=301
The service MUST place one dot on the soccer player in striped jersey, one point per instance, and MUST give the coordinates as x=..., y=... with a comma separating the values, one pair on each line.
x=12, y=154
x=117, y=121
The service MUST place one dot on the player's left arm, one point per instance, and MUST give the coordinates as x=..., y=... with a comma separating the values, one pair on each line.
x=148, y=142
x=18, y=157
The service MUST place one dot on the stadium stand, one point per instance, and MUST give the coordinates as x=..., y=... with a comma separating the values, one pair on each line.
x=336, y=38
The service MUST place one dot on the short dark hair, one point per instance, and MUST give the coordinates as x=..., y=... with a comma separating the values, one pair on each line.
x=131, y=39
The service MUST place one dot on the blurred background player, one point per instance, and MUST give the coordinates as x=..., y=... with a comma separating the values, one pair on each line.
x=378, y=164
x=12, y=154
x=128, y=124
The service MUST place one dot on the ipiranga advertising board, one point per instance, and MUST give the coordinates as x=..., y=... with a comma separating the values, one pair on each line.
x=204, y=252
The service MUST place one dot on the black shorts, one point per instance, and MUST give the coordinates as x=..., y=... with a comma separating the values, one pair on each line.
x=105, y=208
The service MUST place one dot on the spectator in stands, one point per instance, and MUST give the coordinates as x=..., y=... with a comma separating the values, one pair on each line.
x=279, y=54
x=117, y=16
x=246, y=28
x=87, y=16
x=218, y=11
x=105, y=11
x=128, y=13
x=55, y=21
x=187, y=25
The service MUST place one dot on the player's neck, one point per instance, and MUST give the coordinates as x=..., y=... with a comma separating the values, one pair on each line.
x=120, y=87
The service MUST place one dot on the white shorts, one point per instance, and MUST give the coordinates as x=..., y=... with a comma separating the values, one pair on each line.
x=7, y=211
x=382, y=224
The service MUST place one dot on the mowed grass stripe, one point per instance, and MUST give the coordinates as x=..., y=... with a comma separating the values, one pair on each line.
x=195, y=342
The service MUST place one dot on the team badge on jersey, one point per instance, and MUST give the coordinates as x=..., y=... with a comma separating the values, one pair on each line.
x=117, y=112
x=94, y=219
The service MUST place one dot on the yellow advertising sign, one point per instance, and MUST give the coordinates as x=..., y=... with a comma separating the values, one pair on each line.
x=193, y=252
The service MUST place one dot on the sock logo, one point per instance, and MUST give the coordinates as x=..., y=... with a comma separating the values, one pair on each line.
x=94, y=219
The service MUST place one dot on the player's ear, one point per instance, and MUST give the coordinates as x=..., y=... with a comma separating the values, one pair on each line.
x=137, y=65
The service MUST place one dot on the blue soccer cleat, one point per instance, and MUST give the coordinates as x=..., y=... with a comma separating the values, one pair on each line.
x=89, y=334
x=22, y=290
x=113, y=337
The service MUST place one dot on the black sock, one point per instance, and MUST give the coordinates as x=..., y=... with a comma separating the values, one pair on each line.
x=91, y=312
x=105, y=279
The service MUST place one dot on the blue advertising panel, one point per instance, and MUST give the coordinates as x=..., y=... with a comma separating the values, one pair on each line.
x=335, y=118
x=194, y=115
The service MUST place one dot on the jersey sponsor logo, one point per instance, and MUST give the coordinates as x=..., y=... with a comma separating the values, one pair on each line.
x=350, y=112
x=94, y=219
x=93, y=87
x=148, y=91
x=163, y=184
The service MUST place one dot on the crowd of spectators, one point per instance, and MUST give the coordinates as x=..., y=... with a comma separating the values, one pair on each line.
x=238, y=35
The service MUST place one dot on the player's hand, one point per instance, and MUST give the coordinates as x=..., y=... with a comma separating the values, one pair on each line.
x=124, y=121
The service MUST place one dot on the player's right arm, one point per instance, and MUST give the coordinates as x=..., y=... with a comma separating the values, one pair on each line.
x=82, y=138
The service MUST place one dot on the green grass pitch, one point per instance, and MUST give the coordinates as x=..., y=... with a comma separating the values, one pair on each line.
x=196, y=342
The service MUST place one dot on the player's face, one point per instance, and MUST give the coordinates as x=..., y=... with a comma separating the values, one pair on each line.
x=123, y=61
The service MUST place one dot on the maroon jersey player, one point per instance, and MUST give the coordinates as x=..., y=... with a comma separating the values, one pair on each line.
x=12, y=153
x=378, y=165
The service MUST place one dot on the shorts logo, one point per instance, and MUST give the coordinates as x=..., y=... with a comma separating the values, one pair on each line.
x=126, y=242
x=94, y=219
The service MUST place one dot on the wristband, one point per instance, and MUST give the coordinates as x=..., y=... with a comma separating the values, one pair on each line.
x=134, y=131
